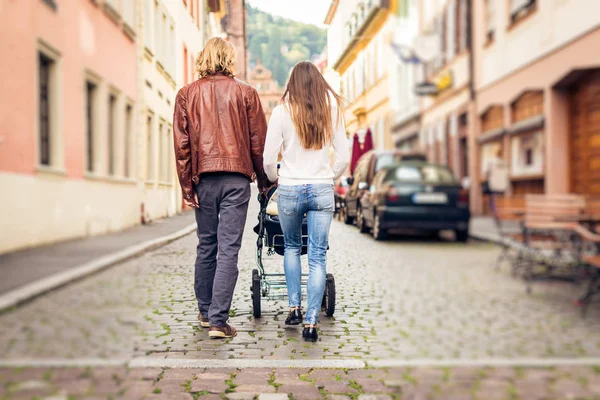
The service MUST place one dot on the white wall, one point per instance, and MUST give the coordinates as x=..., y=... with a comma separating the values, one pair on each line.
x=49, y=208
x=554, y=24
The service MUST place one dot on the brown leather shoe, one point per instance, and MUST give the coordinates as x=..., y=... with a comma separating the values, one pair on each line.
x=222, y=332
x=203, y=321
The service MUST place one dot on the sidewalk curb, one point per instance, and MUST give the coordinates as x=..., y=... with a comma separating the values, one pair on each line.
x=25, y=293
x=482, y=237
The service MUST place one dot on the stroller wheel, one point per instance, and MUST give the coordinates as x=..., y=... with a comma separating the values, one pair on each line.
x=255, y=288
x=328, y=304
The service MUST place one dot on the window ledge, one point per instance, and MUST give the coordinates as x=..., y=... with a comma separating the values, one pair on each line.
x=148, y=53
x=112, y=13
x=129, y=31
x=50, y=170
x=109, y=179
x=522, y=18
x=165, y=184
x=526, y=177
x=149, y=183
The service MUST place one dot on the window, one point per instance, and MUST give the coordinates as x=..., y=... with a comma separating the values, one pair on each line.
x=148, y=41
x=157, y=32
x=45, y=67
x=463, y=26
x=432, y=174
x=520, y=9
x=380, y=57
x=112, y=103
x=51, y=4
x=161, y=152
x=527, y=154
x=490, y=18
x=149, y=150
x=451, y=32
x=129, y=11
x=90, y=122
x=127, y=141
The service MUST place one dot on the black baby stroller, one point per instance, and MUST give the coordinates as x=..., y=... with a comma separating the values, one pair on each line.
x=270, y=239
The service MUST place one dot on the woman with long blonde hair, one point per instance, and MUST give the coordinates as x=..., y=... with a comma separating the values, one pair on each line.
x=304, y=128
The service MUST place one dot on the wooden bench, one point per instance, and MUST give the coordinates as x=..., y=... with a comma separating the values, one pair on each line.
x=593, y=261
x=551, y=248
x=508, y=217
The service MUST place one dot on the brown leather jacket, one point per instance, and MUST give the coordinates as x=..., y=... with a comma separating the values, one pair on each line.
x=218, y=126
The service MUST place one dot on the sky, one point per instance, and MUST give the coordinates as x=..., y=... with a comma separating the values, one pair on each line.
x=307, y=11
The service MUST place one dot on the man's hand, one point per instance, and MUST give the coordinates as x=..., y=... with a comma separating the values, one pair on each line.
x=191, y=201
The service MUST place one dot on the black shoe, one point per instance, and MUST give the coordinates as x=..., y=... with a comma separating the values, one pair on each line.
x=294, y=317
x=310, y=334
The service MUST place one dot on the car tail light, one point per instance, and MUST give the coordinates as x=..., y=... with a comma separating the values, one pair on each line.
x=463, y=198
x=392, y=195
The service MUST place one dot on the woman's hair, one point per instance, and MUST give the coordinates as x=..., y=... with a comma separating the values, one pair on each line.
x=309, y=100
x=217, y=56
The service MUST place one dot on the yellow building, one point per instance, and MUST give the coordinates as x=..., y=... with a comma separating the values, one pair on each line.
x=358, y=42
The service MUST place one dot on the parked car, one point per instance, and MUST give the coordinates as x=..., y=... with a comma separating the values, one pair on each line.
x=414, y=195
x=366, y=168
x=340, y=190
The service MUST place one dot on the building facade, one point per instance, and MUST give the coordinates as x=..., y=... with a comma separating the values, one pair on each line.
x=358, y=41
x=537, y=82
x=86, y=146
x=234, y=27
x=67, y=121
x=269, y=91
x=447, y=102
x=405, y=72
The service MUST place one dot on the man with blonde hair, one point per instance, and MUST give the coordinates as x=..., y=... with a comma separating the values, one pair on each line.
x=219, y=132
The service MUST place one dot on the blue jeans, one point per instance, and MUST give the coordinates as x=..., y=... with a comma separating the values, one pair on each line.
x=316, y=201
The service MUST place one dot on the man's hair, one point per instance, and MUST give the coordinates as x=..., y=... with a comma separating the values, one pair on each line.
x=218, y=56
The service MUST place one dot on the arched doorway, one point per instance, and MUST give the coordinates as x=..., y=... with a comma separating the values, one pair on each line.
x=585, y=134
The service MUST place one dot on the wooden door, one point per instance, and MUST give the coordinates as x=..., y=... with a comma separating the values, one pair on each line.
x=585, y=135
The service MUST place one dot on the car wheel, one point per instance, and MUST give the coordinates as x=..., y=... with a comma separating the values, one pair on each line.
x=462, y=236
x=360, y=221
x=378, y=232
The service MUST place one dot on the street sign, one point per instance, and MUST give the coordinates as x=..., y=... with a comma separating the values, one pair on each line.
x=426, y=89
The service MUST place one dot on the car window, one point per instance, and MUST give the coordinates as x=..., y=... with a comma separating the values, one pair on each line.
x=425, y=173
x=386, y=160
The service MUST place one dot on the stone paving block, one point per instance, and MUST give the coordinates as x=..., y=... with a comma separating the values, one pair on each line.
x=272, y=396
x=183, y=374
x=172, y=396
x=138, y=389
x=374, y=397
x=240, y=396
x=336, y=387
x=252, y=388
x=338, y=397
x=306, y=390
x=211, y=386
x=146, y=374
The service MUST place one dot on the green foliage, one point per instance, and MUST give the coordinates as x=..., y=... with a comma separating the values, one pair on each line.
x=280, y=43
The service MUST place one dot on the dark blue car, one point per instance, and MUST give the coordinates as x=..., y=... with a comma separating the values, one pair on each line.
x=414, y=195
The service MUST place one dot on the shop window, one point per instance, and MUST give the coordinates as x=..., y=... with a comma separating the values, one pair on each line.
x=489, y=153
x=45, y=102
x=527, y=155
x=127, y=140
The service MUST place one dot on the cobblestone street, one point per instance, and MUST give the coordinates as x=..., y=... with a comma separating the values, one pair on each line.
x=407, y=299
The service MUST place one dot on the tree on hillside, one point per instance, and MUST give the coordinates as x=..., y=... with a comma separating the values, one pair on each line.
x=268, y=35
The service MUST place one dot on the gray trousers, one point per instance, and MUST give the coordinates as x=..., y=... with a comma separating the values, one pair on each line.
x=223, y=199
